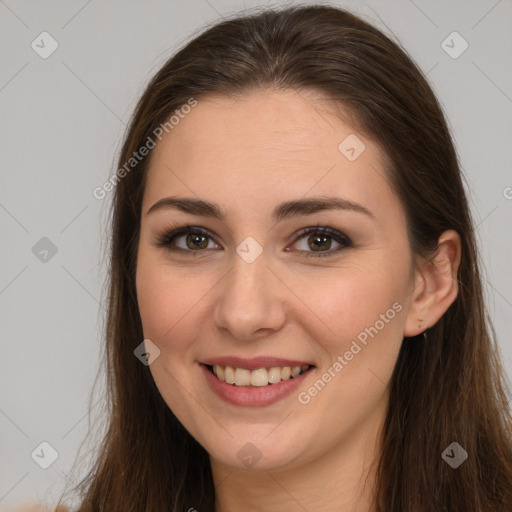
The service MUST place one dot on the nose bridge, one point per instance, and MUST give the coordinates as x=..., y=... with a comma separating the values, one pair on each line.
x=250, y=300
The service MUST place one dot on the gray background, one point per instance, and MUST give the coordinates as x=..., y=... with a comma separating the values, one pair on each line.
x=63, y=119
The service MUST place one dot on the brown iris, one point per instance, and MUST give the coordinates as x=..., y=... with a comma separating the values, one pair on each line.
x=314, y=239
x=194, y=237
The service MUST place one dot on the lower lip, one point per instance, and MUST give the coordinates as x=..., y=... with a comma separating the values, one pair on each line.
x=252, y=396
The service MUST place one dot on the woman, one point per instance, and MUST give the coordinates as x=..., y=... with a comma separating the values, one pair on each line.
x=296, y=316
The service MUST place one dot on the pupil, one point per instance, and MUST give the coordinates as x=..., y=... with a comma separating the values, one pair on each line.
x=316, y=238
x=195, y=238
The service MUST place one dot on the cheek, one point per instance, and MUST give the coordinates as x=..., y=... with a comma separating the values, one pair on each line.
x=361, y=315
x=169, y=301
x=345, y=303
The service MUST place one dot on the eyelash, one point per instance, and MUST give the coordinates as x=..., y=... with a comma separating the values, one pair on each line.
x=169, y=237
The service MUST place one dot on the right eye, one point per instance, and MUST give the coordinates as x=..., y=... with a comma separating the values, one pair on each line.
x=187, y=239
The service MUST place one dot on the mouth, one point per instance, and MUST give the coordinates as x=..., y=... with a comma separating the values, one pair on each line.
x=260, y=377
x=254, y=383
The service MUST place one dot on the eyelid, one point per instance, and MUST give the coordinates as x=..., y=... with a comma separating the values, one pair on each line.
x=324, y=229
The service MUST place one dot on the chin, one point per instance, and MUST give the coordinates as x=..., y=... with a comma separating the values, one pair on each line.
x=257, y=453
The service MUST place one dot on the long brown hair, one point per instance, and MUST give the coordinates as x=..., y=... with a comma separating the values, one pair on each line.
x=448, y=388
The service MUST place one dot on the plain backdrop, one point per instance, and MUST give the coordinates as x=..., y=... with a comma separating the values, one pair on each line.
x=62, y=122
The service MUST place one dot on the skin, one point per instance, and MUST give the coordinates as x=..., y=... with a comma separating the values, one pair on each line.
x=248, y=155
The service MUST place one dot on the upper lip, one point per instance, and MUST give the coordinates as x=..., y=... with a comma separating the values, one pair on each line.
x=254, y=363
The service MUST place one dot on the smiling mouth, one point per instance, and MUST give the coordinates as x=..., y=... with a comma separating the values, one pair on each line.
x=256, y=378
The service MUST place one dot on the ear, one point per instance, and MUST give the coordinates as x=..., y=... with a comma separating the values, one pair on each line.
x=436, y=285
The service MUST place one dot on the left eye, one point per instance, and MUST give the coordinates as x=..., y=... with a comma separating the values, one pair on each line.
x=318, y=239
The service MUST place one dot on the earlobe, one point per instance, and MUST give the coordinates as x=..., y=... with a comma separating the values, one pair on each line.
x=436, y=285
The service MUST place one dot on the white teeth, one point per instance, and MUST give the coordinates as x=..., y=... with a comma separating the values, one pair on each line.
x=242, y=377
x=260, y=377
x=229, y=375
x=218, y=371
x=274, y=375
x=295, y=371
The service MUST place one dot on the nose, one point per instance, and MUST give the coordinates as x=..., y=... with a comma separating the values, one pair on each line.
x=251, y=301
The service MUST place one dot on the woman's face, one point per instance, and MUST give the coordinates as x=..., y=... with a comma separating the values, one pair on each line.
x=253, y=290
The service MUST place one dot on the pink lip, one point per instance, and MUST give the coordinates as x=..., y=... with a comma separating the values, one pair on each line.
x=253, y=396
x=254, y=363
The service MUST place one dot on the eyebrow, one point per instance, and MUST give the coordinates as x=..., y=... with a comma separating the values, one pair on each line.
x=283, y=211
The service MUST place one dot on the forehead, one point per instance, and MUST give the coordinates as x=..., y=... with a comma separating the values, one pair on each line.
x=287, y=121
x=262, y=147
